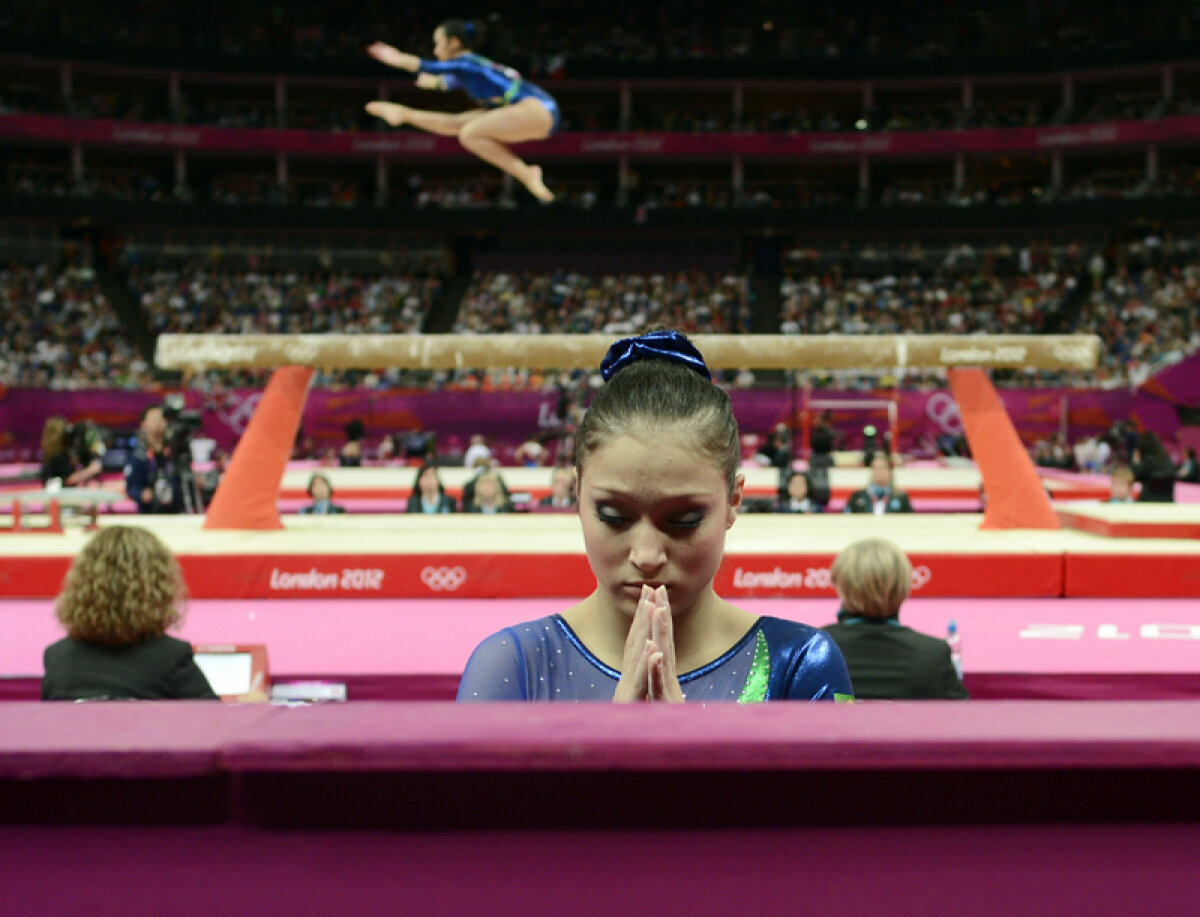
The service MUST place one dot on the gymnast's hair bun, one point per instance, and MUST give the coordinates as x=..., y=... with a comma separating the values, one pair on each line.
x=672, y=346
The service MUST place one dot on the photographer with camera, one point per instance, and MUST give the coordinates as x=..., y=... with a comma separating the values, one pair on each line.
x=152, y=477
x=71, y=453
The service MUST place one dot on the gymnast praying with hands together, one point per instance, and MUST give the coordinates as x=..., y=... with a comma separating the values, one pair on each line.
x=657, y=475
x=517, y=111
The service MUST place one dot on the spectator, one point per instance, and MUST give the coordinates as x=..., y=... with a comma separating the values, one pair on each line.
x=351, y=454
x=72, y=458
x=879, y=496
x=1092, y=454
x=887, y=660
x=320, y=488
x=478, y=454
x=531, y=453
x=798, y=497
x=1121, y=486
x=420, y=445
x=429, y=494
x=871, y=445
x=389, y=447
x=1154, y=470
x=562, y=490
x=210, y=480
x=823, y=437
x=489, y=496
x=468, y=491
x=776, y=448
x=123, y=593
x=1189, y=468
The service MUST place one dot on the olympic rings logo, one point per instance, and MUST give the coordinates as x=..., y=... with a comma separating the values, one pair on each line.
x=921, y=577
x=443, y=579
x=942, y=409
x=1075, y=354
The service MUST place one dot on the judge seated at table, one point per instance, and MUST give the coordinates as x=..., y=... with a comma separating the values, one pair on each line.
x=562, y=491
x=886, y=660
x=321, y=490
x=489, y=496
x=880, y=496
x=429, y=494
x=124, y=591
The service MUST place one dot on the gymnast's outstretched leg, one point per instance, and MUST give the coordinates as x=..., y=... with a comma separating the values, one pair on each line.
x=436, y=122
x=484, y=133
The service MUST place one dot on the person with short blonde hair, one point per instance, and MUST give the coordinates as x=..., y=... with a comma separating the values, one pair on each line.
x=887, y=660
x=873, y=577
x=489, y=496
x=123, y=593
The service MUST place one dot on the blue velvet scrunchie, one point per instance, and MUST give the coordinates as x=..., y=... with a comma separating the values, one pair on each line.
x=653, y=345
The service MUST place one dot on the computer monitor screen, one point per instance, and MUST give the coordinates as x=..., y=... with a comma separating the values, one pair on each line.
x=227, y=673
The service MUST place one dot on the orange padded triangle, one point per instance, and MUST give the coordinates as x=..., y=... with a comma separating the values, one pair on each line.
x=1016, y=498
x=248, y=495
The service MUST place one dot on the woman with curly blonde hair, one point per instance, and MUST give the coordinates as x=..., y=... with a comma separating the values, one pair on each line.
x=122, y=594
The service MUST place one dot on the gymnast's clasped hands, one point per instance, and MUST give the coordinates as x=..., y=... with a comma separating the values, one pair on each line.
x=648, y=666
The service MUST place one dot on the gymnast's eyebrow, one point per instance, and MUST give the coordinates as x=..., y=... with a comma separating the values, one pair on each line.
x=629, y=494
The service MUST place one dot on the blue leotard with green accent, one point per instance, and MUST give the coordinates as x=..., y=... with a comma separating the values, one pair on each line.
x=488, y=82
x=545, y=660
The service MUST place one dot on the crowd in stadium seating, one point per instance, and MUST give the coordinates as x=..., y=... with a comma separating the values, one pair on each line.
x=933, y=186
x=1142, y=298
x=615, y=304
x=548, y=36
x=199, y=300
x=61, y=332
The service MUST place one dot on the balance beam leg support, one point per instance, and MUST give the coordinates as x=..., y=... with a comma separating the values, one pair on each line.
x=248, y=495
x=1016, y=497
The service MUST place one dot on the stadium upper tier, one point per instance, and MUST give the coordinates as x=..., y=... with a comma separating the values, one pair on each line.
x=627, y=38
x=157, y=96
x=239, y=138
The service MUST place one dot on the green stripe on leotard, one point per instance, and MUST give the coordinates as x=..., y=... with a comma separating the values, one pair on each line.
x=754, y=691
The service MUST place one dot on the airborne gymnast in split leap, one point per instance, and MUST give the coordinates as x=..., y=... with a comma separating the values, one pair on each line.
x=517, y=111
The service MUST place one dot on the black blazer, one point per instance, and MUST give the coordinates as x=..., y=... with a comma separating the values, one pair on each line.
x=888, y=661
x=446, y=504
x=1157, y=477
x=161, y=668
x=860, y=502
x=808, y=506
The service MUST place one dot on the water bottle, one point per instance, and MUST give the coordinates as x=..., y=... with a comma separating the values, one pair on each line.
x=954, y=638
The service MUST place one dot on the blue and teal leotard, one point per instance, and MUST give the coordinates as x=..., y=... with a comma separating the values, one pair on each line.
x=488, y=82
